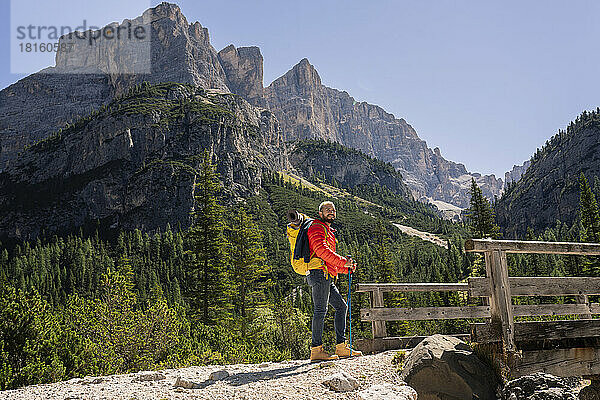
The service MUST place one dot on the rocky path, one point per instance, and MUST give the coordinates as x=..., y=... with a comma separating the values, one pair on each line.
x=430, y=237
x=374, y=378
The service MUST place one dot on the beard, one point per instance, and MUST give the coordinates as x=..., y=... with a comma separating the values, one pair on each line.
x=328, y=218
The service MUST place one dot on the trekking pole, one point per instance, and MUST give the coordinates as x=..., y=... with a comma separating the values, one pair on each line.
x=350, y=308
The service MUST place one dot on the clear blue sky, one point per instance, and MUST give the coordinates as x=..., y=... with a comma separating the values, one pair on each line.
x=486, y=82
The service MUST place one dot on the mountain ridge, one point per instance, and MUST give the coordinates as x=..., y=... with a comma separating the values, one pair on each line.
x=133, y=164
x=549, y=189
x=309, y=109
x=182, y=52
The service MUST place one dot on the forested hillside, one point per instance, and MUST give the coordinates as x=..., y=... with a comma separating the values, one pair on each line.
x=549, y=191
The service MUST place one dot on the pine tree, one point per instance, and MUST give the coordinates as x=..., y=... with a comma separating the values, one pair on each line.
x=590, y=224
x=383, y=265
x=481, y=215
x=208, y=245
x=588, y=209
x=249, y=268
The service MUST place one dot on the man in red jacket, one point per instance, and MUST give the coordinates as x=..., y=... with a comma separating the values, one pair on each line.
x=322, y=244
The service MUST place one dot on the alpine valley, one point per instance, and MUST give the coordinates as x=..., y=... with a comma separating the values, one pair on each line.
x=143, y=219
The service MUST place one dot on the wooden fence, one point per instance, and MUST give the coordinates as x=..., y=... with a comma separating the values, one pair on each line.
x=566, y=350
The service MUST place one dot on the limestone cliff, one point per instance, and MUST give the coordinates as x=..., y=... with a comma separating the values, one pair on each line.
x=133, y=163
x=244, y=72
x=86, y=77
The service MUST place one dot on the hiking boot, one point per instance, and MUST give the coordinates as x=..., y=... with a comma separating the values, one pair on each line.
x=318, y=354
x=344, y=351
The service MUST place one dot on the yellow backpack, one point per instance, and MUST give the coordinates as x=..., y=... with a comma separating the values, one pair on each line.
x=293, y=229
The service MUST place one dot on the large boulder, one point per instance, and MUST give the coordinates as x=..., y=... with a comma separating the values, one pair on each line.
x=388, y=391
x=540, y=386
x=341, y=382
x=445, y=368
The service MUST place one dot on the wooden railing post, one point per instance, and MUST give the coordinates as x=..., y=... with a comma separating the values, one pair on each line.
x=378, y=326
x=584, y=299
x=500, y=298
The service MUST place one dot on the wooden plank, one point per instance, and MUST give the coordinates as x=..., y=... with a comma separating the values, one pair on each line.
x=412, y=287
x=423, y=313
x=431, y=313
x=533, y=247
x=501, y=308
x=559, y=362
x=480, y=287
x=541, y=330
x=369, y=346
x=595, y=308
x=378, y=327
x=550, y=309
x=540, y=286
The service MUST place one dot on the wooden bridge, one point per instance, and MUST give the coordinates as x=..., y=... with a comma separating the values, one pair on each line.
x=565, y=347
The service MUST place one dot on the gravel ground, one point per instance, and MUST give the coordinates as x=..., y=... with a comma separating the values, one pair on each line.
x=269, y=381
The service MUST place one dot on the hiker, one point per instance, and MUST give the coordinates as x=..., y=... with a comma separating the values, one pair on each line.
x=322, y=243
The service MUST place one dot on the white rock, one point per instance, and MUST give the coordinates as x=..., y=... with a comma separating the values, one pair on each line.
x=340, y=382
x=184, y=383
x=149, y=376
x=387, y=391
x=91, y=380
x=325, y=364
x=218, y=375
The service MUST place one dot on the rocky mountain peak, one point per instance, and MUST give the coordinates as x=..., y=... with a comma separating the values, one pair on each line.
x=516, y=172
x=181, y=52
x=167, y=49
x=309, y=109
x=302, y=79
x=244, y=71
x=172, y=12
x=165, y=10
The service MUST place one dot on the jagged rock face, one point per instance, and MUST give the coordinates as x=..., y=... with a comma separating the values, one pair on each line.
x=134, y=165
x=36, y=105
x=244, y=72
x=178, y=52
x=301, y=105
x=41, y=103
x=308, y=109
x=549, y=190
x=348, y=167
x=516, y=172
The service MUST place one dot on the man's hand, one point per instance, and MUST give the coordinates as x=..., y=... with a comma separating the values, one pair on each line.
x=351, y=265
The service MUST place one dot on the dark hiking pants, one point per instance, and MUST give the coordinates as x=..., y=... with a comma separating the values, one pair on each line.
x=324, y=291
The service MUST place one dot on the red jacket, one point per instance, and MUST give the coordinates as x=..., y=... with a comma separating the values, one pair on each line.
x=325, y=250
